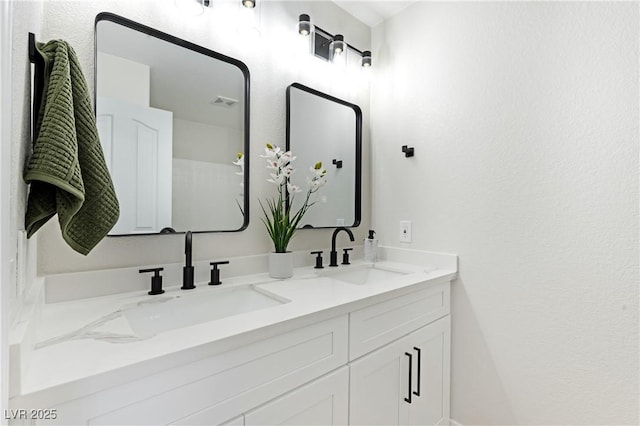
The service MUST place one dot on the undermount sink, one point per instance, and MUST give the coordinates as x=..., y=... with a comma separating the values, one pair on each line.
x=364, y=274
x=170, y=313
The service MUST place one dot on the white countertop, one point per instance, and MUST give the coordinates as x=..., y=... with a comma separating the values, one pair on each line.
x=68, y=362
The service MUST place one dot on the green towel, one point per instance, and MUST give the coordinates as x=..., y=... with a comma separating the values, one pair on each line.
x=67, y=171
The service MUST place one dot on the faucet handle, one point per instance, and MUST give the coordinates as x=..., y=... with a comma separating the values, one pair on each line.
x=345, y=256
x=318, y=259
x=156, y=280
x=215, y=272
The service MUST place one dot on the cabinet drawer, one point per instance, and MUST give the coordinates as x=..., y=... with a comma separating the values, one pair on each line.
x=233, y=382
x=325, y=401
x=379, y=324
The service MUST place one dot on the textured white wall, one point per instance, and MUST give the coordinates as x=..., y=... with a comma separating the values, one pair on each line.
x=27, y=16
x=524, y=117
x=274, y=63
x=6, y=253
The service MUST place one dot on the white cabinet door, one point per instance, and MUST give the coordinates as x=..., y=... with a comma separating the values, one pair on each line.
x=321, y=402
x=405, y=382
x=378, y=384
x=430, y=348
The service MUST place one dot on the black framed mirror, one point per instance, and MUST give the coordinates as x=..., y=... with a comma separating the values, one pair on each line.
x=173, y=118
x=321, y=127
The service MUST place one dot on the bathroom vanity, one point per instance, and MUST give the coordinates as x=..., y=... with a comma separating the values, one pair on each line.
x=356, y=344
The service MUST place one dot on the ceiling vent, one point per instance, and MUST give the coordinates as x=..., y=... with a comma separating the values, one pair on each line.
x=224, y=102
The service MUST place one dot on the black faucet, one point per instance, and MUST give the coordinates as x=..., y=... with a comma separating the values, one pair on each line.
x=334, y=253
x=187, y=270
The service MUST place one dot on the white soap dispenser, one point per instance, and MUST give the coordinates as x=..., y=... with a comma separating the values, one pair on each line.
x=370, y=248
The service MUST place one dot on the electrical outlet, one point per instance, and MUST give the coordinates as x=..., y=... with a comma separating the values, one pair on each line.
x=405, y=231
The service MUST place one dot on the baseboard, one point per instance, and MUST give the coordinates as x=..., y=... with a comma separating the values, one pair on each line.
x=454, y=423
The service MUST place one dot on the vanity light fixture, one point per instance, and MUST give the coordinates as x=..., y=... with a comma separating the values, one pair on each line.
x=305, y=27
x=338, y=50
x=337, y=46
x=249, y=4
x=366, y=58
x=327, y=46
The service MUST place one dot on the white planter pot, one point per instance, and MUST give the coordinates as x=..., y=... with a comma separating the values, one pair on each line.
x=281, y=265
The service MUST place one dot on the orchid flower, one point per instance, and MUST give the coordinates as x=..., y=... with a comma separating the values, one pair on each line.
x=282, y=223
x=293, y=188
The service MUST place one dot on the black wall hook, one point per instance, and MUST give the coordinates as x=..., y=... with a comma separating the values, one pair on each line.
x=408, y=151
x=38, y=80
x=338, y=163
x=32, y=47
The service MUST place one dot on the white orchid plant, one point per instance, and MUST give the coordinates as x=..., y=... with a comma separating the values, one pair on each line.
x=282, y=223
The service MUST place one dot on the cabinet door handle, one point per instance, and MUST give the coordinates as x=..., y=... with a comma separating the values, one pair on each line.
x=417, y=393
x=410, y=376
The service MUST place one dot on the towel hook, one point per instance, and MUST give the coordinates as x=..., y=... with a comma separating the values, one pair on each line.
x=408, y=151
x=32, y=48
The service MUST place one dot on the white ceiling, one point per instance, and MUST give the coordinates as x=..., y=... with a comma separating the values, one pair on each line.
x=181, y=80
x=373, y=12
